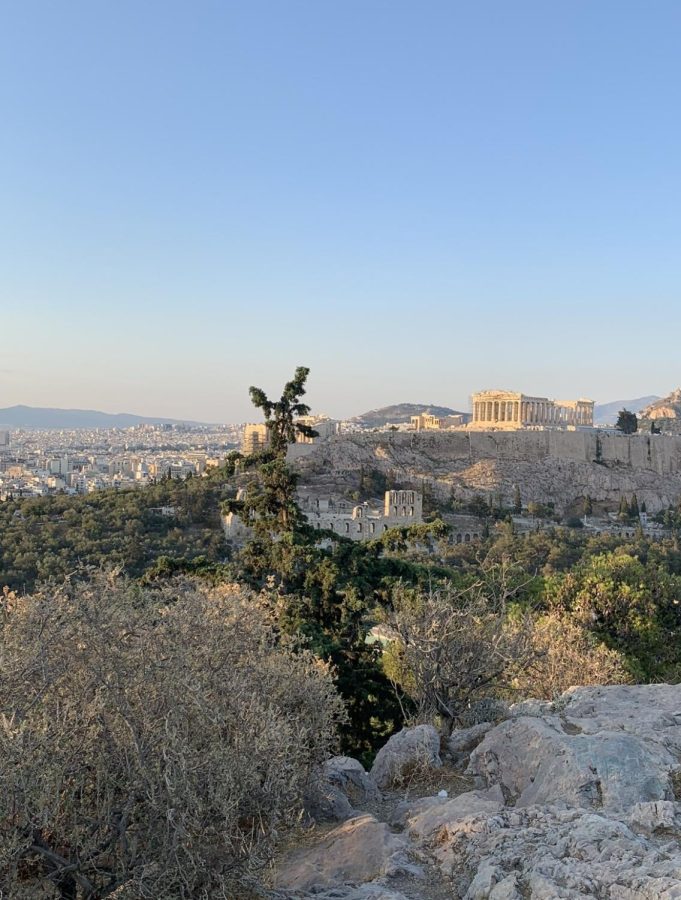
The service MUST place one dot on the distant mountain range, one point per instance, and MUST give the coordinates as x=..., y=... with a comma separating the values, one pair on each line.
x=606, y=413
x=402, y=412
x=37, y=417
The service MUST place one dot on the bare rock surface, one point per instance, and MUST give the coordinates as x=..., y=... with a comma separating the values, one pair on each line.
x=407, y=753
x=466, y=739
x=360, y=850
x=576, y=798
x=343, y=787
x=610, y=747
x=373, y=891
x=349, y=776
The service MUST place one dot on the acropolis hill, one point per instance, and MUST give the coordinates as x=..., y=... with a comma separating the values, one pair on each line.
x=547, y=465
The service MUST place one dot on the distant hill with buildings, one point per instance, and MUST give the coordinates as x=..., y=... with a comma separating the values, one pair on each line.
x=39, y=417
x=606, y=413
x=550, y=467
x=402, y=412
x=665, y=412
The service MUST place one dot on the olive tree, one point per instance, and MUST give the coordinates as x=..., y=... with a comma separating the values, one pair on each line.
x=153, y=741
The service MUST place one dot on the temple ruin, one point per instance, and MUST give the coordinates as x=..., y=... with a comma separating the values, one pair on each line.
x=510, y=410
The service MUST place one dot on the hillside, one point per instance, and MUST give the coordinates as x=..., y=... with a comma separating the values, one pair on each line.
x=547, y=467
x=43, y=538
x=606, y=413
x=668, y=407
x=401, y=412
x=47, y=417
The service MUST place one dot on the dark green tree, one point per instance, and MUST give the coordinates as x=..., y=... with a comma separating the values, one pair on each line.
x=517, y=501
x=624, y=513
x=634, y=512
x=280, y=415
x=627, y=422
x=588, y=506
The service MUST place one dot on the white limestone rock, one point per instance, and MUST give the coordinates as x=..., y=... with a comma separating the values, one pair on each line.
x=594, y=813
x=657, y=816
x=428, y=816
x=342, y=788
x=466, y=739
x=359, y=850
x=350, y=777
x=553, y=759
x=406, y=754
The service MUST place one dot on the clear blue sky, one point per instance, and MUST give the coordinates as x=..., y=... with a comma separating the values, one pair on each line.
x=415, y=199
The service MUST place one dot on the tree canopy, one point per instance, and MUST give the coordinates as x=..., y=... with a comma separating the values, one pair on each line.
x=280, y=415
x=627, y=422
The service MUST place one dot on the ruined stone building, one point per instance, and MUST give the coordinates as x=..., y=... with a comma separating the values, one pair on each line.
x=427, y=422
x=323, y=425
x=510, y=410
x=361, y=522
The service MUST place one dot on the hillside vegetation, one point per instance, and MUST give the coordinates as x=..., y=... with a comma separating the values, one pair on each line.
x=166, y=725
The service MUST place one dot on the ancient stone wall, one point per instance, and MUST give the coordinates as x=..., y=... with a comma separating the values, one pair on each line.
x=548, y=466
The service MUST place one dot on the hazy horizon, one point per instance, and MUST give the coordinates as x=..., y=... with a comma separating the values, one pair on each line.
x=417, y=202
x=255, y=415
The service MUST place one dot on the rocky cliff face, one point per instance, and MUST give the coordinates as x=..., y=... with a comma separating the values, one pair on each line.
x=667, y=409
x=548, y=466
x=576, y=798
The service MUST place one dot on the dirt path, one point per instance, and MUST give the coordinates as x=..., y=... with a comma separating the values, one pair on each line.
x=431, y=883
x=435, y=885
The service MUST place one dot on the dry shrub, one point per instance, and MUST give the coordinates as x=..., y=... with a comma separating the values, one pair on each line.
x=152, y=742
x=452, y=648
x=566, y=655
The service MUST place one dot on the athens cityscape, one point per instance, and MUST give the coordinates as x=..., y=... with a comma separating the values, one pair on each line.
x=340, y=450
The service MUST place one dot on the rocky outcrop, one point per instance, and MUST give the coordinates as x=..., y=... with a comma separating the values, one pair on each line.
x=360, y=850
x=546, y=466
x=577, y=798
x=343, y=787
x=664, y=408
x=407, y=754
x=589, y=791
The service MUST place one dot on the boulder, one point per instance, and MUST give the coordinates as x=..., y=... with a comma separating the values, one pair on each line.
x=343, y=787
x=589, y=783
x=327, y=803
x=426, y=817
x=360, y=850
x=407, y=753
x=537, y=764
x=350, y=777
x=466, y=739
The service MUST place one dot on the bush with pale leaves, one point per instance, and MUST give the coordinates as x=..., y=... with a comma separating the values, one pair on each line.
x=152, y=742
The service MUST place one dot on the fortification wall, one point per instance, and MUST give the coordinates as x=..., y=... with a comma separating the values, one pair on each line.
x=548, y=466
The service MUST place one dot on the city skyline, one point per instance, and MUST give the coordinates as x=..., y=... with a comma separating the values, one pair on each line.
x=416, y=203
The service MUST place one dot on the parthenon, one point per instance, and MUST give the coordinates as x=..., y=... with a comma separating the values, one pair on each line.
x=510, y=410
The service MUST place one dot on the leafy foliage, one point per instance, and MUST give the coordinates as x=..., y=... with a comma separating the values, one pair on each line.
x=48, y=537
